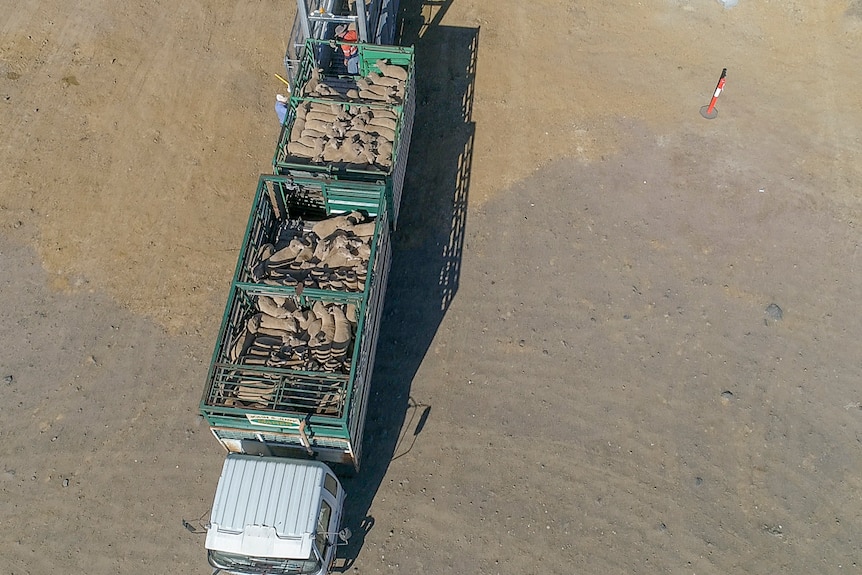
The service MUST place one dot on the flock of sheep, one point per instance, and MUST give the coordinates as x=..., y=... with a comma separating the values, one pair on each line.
x=334, y=255
x=286, y=335
x=355, y=127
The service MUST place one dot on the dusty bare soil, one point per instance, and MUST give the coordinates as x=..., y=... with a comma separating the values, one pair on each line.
x=577, y=370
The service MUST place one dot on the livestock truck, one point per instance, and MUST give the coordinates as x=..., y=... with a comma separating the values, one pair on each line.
x=288, y=386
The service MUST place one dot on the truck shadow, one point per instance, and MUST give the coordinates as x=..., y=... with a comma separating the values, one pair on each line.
x=426, y=246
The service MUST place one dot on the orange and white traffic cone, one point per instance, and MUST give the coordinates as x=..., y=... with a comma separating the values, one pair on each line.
x=709, y=112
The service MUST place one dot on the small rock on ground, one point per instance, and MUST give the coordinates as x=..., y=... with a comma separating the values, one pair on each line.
x=774, y=312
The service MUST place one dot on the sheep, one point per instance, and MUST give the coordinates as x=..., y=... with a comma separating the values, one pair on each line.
x=391, y=71
x=375, y=78
x=383, y=121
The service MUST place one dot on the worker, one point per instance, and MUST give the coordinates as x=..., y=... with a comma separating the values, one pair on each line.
x=351, y=53
x=281, y=108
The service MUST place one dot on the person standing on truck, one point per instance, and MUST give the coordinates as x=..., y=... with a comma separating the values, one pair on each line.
x=351, y=53
x=281, y=108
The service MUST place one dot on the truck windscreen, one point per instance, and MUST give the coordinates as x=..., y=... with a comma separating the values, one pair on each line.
x=264, y=565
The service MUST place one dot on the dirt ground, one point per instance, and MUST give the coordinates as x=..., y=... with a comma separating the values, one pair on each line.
x=577, y=371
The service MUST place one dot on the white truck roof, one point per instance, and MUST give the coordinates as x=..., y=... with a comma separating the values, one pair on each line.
x=266, y=506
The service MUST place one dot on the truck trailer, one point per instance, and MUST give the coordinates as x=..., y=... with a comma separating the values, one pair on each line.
x=351, y=127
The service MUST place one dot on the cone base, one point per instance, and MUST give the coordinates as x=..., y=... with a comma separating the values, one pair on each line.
x=707, y=114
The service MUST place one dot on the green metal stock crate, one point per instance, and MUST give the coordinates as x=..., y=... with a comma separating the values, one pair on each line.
x=255, y=389
x=298, y=152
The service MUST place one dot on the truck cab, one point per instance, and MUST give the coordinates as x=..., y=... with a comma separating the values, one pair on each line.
x=274, y=515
